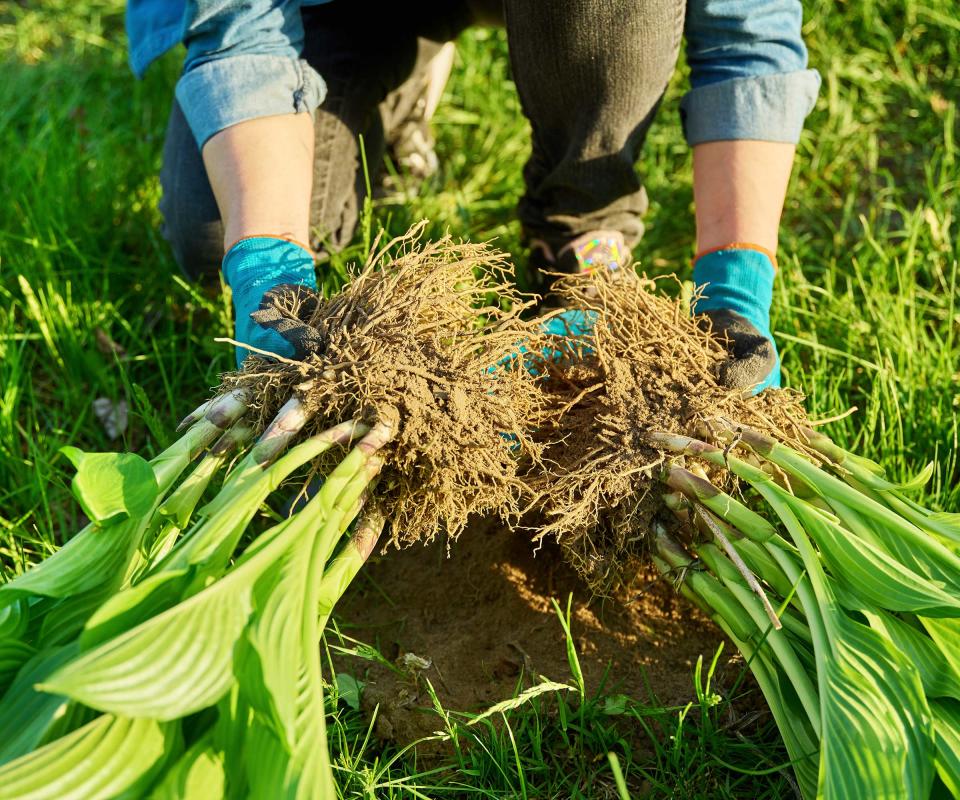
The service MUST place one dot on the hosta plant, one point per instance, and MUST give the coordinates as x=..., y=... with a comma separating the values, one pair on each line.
x=171, y=651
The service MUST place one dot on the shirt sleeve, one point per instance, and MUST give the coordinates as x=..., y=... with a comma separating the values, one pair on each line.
x=748, y=71
x=243, y=62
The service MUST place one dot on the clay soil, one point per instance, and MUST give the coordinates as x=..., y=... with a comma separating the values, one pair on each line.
x=482, y=617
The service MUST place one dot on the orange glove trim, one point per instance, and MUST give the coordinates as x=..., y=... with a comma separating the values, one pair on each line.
x=739, y=246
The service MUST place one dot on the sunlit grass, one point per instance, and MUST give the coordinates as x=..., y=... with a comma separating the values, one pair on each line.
x=866, y=314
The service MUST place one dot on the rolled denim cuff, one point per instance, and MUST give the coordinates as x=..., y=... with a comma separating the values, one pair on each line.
x=769, y=108
x=224, y=92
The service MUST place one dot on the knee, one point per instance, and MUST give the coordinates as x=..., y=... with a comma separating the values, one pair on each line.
x=191, y=219
x=195, y=235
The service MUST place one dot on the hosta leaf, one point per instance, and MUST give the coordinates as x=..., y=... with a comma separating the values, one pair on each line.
x=136, y=604
x=926, y=556
x=949, y=518
x=266, y=761
x=66, y=618
x=877, y=738
x=283, y=655
x=877, y=733
x=172, y=665
x=942, y=523
x=26, y=714
x=273, y=772
x=91, y=558
x=13, y=620
x=105, y=758
x=229, y=735
x=275, y=643
x=946, y=723
x=112, y=487
x=872, y=573
x=13, y=655
x=946, y=635
x=863, y=472
x=197, y=775
x=937, y=666
x=72, y=717
x=792, y=721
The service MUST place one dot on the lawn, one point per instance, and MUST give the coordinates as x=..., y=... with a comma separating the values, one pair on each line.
x=865, y=314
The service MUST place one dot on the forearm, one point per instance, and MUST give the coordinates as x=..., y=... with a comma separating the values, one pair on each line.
x=261, y=172
x=739, y=189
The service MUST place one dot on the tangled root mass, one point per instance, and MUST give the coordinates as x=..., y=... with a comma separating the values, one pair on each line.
x=647, y=367
x=415, y=341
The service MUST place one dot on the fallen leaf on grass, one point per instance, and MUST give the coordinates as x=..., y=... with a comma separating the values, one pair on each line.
x=112, y=415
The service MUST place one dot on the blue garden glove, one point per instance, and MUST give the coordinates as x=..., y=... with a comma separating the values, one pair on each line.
x=573, y=323
x=253, y=267
x=737, y=288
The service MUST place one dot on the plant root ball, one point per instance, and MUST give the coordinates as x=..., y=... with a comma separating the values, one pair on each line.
x=416, y=341
x=647, y=367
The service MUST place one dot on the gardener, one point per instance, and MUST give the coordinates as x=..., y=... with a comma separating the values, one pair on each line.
x=262, y=150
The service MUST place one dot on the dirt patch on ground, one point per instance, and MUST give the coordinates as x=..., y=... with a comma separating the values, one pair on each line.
x=482, y=617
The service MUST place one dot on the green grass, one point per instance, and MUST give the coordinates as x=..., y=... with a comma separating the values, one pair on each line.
x=866, y=314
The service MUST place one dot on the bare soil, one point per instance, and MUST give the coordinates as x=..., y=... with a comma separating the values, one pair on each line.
x=482, y=617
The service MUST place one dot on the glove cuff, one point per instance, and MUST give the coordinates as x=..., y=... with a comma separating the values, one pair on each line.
x=738, y=246
x=739, y=279
x=266, y=261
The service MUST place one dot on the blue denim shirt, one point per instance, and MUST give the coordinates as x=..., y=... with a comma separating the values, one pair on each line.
x=748, y=64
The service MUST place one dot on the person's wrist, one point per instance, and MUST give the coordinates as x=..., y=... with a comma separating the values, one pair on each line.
x=737, y=277
x=267, y=260
x=253, y=266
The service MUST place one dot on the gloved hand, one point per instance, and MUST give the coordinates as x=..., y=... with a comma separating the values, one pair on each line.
x=573, y=322
x=252, y=267
x=737, y=288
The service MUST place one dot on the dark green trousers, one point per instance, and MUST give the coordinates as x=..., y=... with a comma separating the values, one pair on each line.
x=589, y=73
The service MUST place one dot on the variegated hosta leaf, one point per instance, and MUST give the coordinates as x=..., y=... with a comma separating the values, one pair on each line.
x=108, y=757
